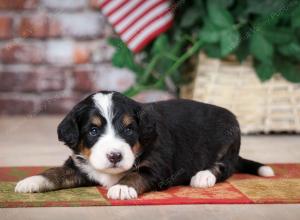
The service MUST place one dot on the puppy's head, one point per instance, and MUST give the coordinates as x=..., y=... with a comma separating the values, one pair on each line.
x=107, y=130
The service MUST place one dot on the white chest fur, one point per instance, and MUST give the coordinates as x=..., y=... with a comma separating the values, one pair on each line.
x=106, y=180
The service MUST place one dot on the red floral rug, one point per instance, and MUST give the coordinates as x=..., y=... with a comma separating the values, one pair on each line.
x=239, y=189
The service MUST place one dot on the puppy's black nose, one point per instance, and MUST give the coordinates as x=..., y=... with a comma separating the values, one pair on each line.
x=114, y=157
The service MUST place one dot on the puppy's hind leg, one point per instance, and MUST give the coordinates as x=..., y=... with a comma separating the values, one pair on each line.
x=208, y=178
x=223, y=168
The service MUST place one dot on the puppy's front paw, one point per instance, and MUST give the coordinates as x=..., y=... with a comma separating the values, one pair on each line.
x=34, y=184
x=203, y=179
x=121, y=192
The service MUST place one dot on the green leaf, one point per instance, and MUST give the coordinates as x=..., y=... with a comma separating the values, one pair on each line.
x=123, y=57
x=163, y=53
x=230, y=39
x=226, y=3
x=296, y=21
x=295, y=17
x=262, y=22
x=242, y=51
x=115, y=42
x=264, y=70
x=213, y=50
x=292, y=49
x=260, y=48
x=209, y=33
x=278, y=35
x=219, y=15
x=239, y=11
x=190, y=17
x=288, y=70
x=265, y=7
x=178, y=34
x=197, y=3
x=160, y=44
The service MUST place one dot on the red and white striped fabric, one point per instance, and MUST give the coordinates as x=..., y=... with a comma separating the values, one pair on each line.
x=138, y=21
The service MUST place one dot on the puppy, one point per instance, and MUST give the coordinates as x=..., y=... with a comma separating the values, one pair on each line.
x=132, y=148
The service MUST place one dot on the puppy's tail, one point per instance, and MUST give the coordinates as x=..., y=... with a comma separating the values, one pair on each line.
x=252, y=167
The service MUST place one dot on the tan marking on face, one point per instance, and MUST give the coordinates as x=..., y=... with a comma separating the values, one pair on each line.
x=96, y=121
x=85, y=151
x=127, y=120
x=136, y=148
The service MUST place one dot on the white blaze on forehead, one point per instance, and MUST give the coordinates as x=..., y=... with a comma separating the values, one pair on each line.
x=105, y=104
x=109, y=141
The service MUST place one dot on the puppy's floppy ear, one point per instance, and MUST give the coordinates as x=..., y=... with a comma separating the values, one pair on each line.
x=147, y=125
x=68, y=132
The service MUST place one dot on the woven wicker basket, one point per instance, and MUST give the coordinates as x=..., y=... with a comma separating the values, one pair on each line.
x=273, y=106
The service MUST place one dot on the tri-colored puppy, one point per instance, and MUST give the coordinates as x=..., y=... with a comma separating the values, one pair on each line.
x=132, y=148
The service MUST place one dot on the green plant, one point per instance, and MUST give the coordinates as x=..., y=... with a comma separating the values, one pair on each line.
x=268, y=30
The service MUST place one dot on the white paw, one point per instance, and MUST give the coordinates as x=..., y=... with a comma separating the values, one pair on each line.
x=266, y=171
x=203, y=179
x=33, y=184
x=121, y=192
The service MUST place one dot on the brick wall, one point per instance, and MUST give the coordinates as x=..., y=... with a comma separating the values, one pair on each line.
x=53, y=53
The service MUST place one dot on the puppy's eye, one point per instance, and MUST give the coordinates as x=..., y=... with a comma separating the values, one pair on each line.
x=94, y=131
x=128, y=131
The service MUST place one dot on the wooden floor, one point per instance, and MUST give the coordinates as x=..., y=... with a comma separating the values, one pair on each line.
x=33, y=141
